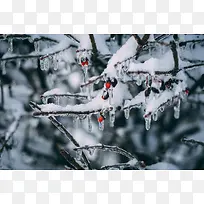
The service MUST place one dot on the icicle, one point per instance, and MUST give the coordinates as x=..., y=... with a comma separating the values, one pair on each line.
x=89, y=123
x=139, y=80
x=155, y=116
x=112, y=117
x=10, y=45
x=177, y=109
x=79, y=154
x=76, y=121
x=56, y=62
x=110, y=92
x=30, y=39
x=148, y=122
x=51, y=79
x=57, y=99
x=85, y=70
x=127, y=112
x=37, y=46
x=45, y=100
x=46, y=63
x=90, y=90
x=42, y=64
x=91, y=151
x=101, y=125
x=3, y=67
x=18, y=63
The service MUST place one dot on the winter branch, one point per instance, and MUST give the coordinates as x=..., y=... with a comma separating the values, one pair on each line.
x=64, y=131
x=103, y=147
x=191, y=141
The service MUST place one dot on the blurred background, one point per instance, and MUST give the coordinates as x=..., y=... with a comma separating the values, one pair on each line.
x=27, y=142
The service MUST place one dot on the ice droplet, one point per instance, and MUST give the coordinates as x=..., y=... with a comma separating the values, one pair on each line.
x=56, y=62
x=3, y=67
x=148, y=122
x=112, y=118
x=155, y=116
x=10, y=41
x=89, y=123
x=139, y=80
x=42, y=64
x=76, y=122
x=45, y=100
x=30, y=39
x=177, y=110
x=110, y=92
x=127, y=113
x=18, y=63
x=85, y=70
x=37, y=46
x=101, y=125
x=79, y=154
x=46, y=63
x=57, y=99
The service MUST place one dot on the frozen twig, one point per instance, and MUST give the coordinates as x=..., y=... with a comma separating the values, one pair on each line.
x=107, y=148
x=67, y=95
x=2, y=94
x=191, y=141
x=62, y=129
x=71, y=160
x=119, y=166
x=93, y=43
x=175, y=56
x=91, y=81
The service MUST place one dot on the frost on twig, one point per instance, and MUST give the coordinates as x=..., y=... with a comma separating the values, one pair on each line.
x=71, y=160
x=192, y=141
x=133, y=162
x=62, y=129
x=103, y=147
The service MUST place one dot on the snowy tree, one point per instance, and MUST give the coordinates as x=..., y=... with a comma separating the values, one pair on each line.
x=120, y=76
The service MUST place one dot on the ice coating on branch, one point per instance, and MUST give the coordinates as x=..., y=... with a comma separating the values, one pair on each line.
x=120, y=93
x=125, y=52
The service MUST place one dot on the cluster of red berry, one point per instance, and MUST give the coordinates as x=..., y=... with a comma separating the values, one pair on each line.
x=108, y=85
x=84, y=61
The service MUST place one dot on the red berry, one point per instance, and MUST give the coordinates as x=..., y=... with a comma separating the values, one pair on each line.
x=100, y=119
x=85, y=63
x=108, y=85
x=187, y=91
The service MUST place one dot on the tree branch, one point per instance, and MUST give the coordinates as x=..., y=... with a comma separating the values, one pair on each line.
x=191, y=141
x=64, y=131
x=70, y=160
x=103, y=147
x=93, y=43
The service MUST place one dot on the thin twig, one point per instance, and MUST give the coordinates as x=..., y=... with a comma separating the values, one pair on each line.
x=119, y=166
x=64, y=131
x=2, y=94
x=107, y=148
x=191, y=141
x=70, y=159
x=93, y=43
x=175, y=56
